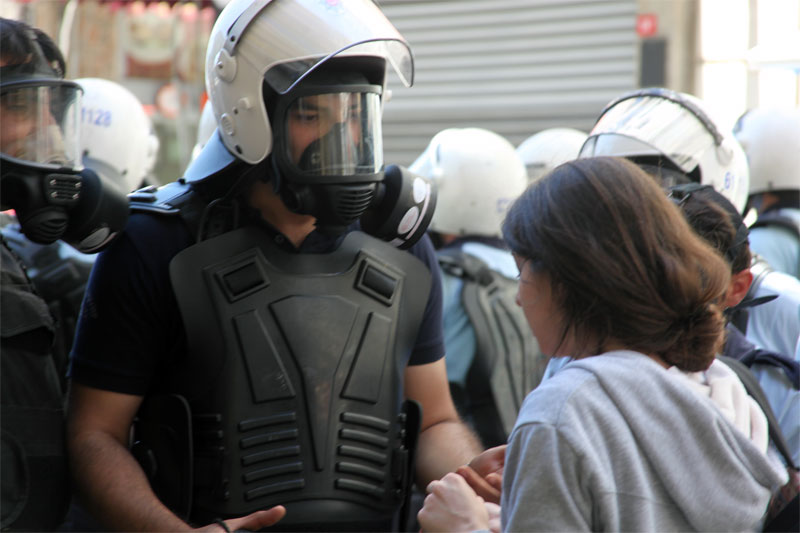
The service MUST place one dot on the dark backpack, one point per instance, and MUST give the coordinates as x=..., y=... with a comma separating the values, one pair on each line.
x=35, y=484
x=508, y=363
x=783, y=513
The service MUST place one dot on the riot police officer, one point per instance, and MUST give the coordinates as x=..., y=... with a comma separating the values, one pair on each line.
x=771, y=139
x=249, y=319
x=52, y=198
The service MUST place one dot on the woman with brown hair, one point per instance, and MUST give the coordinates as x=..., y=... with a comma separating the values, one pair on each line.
x=622, y=438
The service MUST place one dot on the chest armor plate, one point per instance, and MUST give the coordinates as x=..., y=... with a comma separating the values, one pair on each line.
x=295, y=376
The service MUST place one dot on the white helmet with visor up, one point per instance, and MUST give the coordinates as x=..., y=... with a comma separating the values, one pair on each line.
x=544, y=151
x=477, y=174
x=671, y=134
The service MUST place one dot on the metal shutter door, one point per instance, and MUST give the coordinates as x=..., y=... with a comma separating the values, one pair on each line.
x=512, y=66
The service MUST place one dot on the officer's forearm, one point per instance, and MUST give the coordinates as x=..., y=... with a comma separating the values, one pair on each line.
x=442, y=448
x=113, y=487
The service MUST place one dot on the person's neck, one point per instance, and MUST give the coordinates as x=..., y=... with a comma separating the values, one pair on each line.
x=296, y=227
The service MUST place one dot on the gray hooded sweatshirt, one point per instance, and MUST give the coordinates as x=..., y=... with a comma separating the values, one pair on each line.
x=616, y=443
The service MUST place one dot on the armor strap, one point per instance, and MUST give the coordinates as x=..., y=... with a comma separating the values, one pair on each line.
x=163, y=447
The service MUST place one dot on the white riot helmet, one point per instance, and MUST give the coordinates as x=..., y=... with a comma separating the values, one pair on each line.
x=670, y=134
x=302, y=81
x=117, y=139
x=549, y=148
x=477, y=174
x=771, y=139
x=280, y=42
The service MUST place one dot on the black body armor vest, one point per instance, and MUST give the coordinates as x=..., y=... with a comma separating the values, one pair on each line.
x=35, y=478
x=296, y=378
x=293, y=394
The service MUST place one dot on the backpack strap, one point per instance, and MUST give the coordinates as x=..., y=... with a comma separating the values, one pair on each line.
x=774, y=218
x=757, y=393
x=784, y=508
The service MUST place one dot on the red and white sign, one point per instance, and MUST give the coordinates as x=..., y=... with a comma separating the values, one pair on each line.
x=646, y=25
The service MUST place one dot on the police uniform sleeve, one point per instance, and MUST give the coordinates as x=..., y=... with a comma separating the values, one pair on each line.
x=429, y=346
x=129, y=323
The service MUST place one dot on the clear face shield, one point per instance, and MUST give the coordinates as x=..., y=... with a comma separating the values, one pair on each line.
x=651, y=126
x=39, y=124
x=335, y=134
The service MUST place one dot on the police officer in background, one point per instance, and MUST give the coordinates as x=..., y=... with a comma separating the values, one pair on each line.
x=116, y=141
x=492, y=359
x=639, y=126
x=771, y=139
x=249, y=318
x=52, y=198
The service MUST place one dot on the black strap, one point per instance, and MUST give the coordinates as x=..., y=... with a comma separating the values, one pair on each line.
x=772, y=218
x=462, y=265
x=757, y=393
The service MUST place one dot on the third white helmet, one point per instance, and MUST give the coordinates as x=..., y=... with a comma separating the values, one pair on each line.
x=477, y=174
x=771, y=139
x=549, y=148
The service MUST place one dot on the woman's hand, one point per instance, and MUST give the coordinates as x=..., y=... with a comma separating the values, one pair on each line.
x=451, y=505
x=485, y=473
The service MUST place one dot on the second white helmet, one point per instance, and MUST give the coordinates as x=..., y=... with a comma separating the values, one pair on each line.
x=771, y=139
x=549, y=148
x=117, y=137
x=477, y=174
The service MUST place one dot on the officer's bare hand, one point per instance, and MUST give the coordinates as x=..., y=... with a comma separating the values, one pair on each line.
x=251, y=522
x=485, y=473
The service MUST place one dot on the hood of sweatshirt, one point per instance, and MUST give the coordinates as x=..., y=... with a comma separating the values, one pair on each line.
x=709, y=468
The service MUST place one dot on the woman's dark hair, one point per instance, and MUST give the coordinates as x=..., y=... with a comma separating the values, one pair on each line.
x=624, y=265
x=17, y=45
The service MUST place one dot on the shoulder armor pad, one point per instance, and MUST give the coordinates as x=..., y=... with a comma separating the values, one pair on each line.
x=164, y=200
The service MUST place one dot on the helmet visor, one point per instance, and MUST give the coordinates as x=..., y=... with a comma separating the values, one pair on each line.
x=39, y=124
x=335, y=134
x=646, y=125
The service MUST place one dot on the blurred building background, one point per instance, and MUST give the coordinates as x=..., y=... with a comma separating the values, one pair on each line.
x=512, y=66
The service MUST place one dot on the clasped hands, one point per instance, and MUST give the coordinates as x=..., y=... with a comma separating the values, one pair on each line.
x=469, y=499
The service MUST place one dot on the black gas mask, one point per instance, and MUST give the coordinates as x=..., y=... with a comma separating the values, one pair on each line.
x=41, y=176
x=329, y=156
x=328, y=161
x=84, y=209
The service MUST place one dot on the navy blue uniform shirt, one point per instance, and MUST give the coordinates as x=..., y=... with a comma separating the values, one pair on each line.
x=130, y=333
